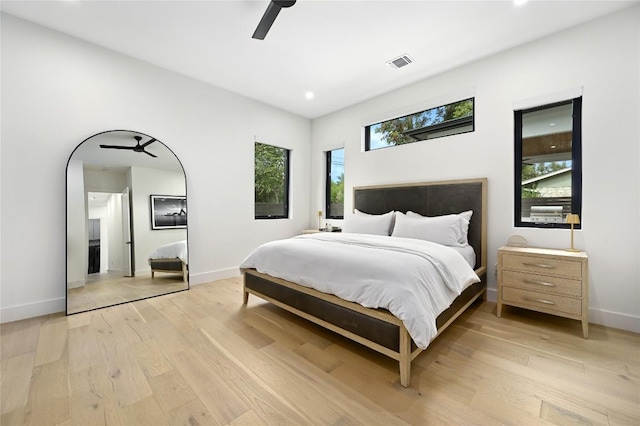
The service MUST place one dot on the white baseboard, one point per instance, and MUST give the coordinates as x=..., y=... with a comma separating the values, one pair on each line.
x=30, y=310
x=205, y=277
x=76, y=284
x=492, y=295
x=596, y=316
x=615, y=320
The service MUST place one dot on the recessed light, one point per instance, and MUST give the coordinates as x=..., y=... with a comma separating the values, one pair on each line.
x=552, y=124
x=309, y=95
x=552, y=147
x=519, y=2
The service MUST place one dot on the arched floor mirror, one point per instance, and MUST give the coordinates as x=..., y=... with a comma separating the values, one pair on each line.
x=126, y=221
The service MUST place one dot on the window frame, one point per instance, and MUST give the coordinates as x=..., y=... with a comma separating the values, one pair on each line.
x=327, y=186
x=576, y=165
x=287, y=169
x=450, y=124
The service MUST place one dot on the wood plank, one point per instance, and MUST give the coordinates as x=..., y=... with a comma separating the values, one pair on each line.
x=48, y=402
x=222, y=404
x=146, y=412
x=16, y=378
x=171, y=390
x=151, y=358
x=52, y=340
x=91, y=396
x=84, y=349
x=193, y=413
x=20, y=337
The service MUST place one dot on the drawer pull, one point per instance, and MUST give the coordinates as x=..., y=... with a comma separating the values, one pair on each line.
x=546, y=284
x=531, y=299
x=539, y=265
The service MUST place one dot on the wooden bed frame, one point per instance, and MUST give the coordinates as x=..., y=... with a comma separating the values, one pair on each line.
x=171, y=266
x=378, y=329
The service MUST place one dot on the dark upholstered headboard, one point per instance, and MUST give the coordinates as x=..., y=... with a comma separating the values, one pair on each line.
x=433, y=199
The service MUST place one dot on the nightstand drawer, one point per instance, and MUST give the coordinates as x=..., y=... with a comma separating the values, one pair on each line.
x=542, y=301
x=543, y=265
x=542, y=283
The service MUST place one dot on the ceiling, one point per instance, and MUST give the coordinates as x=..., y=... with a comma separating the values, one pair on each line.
x=336, y=49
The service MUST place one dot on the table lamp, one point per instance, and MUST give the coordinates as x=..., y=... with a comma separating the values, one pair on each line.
x=573, y=219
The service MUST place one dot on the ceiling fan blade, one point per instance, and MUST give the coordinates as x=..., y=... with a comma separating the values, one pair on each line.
x=117, y=147
x=148, y=153
x=269, y=17
x=147, y=143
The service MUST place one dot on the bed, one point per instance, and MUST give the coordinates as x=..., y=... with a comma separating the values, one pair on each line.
x=170, y=258
x=378, y=328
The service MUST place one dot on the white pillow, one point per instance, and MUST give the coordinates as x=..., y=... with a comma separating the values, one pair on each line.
x=364, y=223
x=464, y=223
x=443, y=230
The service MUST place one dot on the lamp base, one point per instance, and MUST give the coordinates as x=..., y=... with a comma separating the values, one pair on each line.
x=572, y=250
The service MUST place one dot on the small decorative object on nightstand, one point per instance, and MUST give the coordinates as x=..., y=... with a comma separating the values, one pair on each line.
x=517, y=241
x=319, y=218
x=545, y=280
x=573, y=219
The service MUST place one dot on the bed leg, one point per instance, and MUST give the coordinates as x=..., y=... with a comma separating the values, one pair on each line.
x=245, y=293
x=152, y=274
x=185, y=274
x=405, y=357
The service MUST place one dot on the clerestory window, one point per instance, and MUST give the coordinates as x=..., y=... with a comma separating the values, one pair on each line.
x=445, y=120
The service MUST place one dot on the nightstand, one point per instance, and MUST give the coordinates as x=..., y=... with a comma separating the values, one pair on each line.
x=545, y=280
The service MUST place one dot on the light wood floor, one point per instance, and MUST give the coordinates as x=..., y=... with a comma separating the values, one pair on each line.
x=111, y=288
x=200, y=357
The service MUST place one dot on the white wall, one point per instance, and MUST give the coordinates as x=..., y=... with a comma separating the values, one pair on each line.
x=114, y=250
x=57, y=91
x=77, y=244
x=146, y=182
x=603, y=58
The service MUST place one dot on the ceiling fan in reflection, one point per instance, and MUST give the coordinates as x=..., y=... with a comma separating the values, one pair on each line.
x=136, y=148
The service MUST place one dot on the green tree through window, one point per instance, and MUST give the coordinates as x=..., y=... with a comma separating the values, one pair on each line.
x=271, y=181
x=335, y=184
x=436, y=122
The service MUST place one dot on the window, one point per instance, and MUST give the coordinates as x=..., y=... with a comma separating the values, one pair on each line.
x=445, y=120
x=335, y=184
x=548, y=164
x=271, y=182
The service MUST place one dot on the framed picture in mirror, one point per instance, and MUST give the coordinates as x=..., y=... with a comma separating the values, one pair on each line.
x=168, y=211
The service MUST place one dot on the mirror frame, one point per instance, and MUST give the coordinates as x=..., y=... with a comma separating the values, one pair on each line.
x=132, y=132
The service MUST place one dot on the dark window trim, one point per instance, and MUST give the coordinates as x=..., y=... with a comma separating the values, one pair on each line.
x=327, y=187
x=287, y=154
x=576, y=165
x=428, y=129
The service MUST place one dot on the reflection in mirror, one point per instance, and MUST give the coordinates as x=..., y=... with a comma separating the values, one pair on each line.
x=548, y=166
x=119, y=184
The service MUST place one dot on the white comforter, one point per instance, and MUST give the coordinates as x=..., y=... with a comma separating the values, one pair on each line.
x=171, y=251
x=415, y=280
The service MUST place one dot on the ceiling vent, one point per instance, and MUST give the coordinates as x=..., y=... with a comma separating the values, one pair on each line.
x=400, y=61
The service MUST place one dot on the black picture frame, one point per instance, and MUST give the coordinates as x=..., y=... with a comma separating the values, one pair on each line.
x=168, y=211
